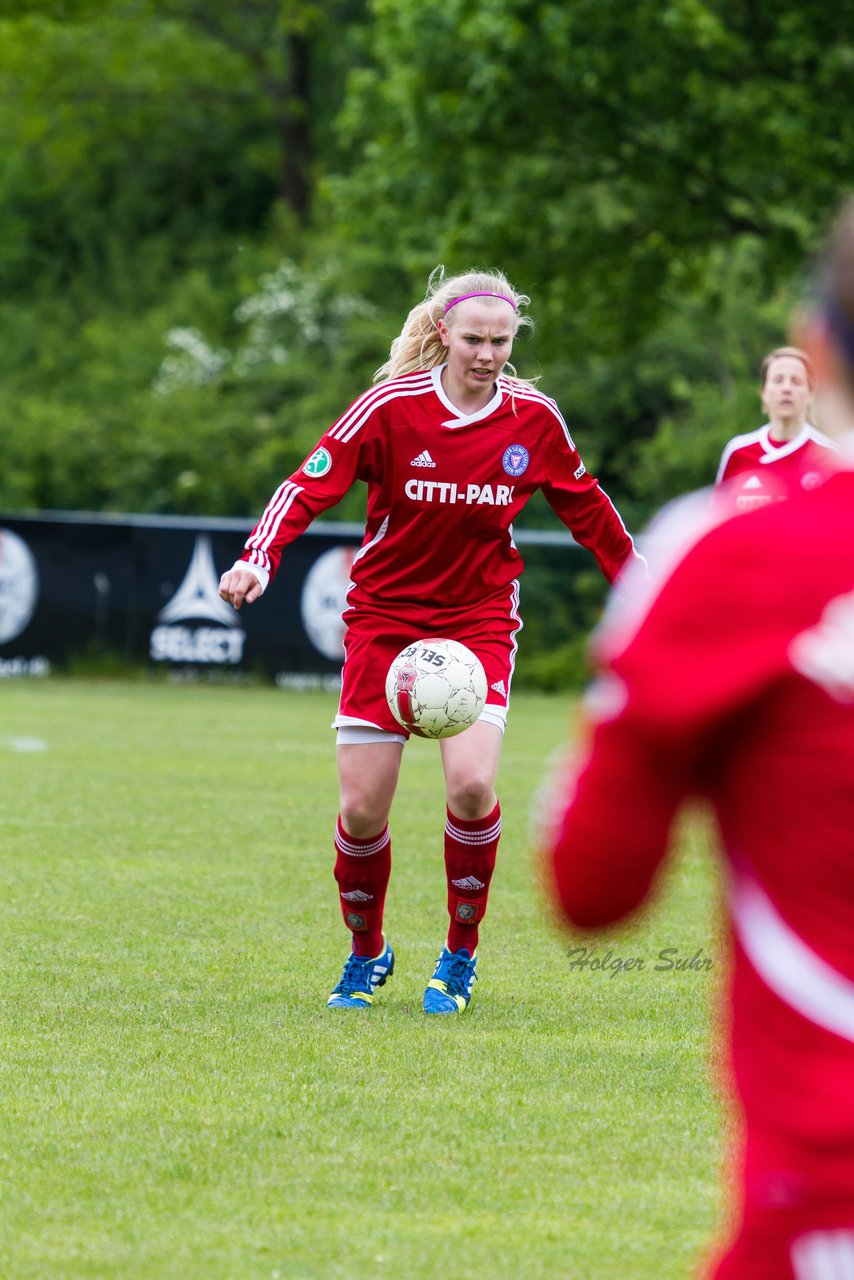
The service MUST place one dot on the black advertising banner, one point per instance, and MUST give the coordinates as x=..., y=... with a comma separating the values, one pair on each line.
x=145, y=589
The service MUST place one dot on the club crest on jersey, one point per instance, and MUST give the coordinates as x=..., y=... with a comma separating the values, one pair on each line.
x=515, y=460
x=319, y=463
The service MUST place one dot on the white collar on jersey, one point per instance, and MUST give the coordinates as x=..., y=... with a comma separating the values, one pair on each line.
x=461, y=419
x=774, y=451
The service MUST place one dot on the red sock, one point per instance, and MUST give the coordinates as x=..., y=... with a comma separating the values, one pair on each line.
x=470, y=849
x=362, y=869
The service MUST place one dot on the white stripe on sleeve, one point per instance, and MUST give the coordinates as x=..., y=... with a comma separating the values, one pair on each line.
x=786, y=964
x=276, y=510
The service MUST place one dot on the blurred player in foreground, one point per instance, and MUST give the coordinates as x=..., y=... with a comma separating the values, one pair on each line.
x=451, y=445
x=734, y=679
x=787, y=453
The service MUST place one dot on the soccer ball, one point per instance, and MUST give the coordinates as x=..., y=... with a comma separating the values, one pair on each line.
x=436, y=688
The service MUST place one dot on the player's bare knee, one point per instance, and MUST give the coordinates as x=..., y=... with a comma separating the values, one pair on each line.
x=362, y=816
x=470, y=795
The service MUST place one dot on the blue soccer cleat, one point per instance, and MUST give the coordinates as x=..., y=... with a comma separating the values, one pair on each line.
x=360, y=979
x=449, y=990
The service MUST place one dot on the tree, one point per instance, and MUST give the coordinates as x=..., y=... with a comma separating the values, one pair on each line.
x=599, y=150
x=626, y=165
x=277, y=45
x=141, y=122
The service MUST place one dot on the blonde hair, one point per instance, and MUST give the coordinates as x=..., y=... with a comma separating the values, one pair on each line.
x=794, y=353
x=419, y=344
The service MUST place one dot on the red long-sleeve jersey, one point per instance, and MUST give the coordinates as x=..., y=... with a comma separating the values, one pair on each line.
x=443, y=492
x=757, y=469
x=734, y=679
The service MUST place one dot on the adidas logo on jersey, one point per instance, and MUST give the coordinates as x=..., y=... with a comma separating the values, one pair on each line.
x=753, y=483
x=423, y=460
x=469, y=882
x=356, y=895
x=499, y=687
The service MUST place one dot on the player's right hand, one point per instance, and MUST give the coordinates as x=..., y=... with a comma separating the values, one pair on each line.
x=238, y=586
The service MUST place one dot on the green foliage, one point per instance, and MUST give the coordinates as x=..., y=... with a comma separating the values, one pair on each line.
x=695, y=377
x=119, y=420
x=630, y=167
x=562, y=598
x=601, y=159
x=214, y=218
x=119, y=135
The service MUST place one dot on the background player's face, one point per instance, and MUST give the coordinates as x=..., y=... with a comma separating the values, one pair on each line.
x=479, y=339
x=786, y=393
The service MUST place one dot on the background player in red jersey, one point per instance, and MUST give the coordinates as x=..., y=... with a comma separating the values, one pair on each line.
x=451, y=445
x=732, y=677
x=787, y=453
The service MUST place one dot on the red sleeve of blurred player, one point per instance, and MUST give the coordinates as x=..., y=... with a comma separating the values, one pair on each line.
x=679, y=666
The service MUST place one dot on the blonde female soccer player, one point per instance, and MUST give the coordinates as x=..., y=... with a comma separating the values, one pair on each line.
x=451, y=445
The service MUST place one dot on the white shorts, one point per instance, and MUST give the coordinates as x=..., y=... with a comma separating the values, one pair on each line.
x=352, y=733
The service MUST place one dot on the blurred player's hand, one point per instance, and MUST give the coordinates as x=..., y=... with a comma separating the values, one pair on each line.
x=239, y=586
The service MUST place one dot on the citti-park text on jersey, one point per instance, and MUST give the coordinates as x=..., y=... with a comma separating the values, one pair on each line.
x=448, y=491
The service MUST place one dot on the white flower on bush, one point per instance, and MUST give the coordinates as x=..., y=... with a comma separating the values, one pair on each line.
x=194, y=363
x=291, y=310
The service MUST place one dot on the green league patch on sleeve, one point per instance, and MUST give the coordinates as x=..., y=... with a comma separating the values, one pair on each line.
x=319, y=463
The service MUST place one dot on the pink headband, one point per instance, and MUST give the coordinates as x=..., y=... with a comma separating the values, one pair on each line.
x=484, y=293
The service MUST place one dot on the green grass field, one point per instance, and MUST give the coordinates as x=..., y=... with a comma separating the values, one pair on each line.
x=177, y=1102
